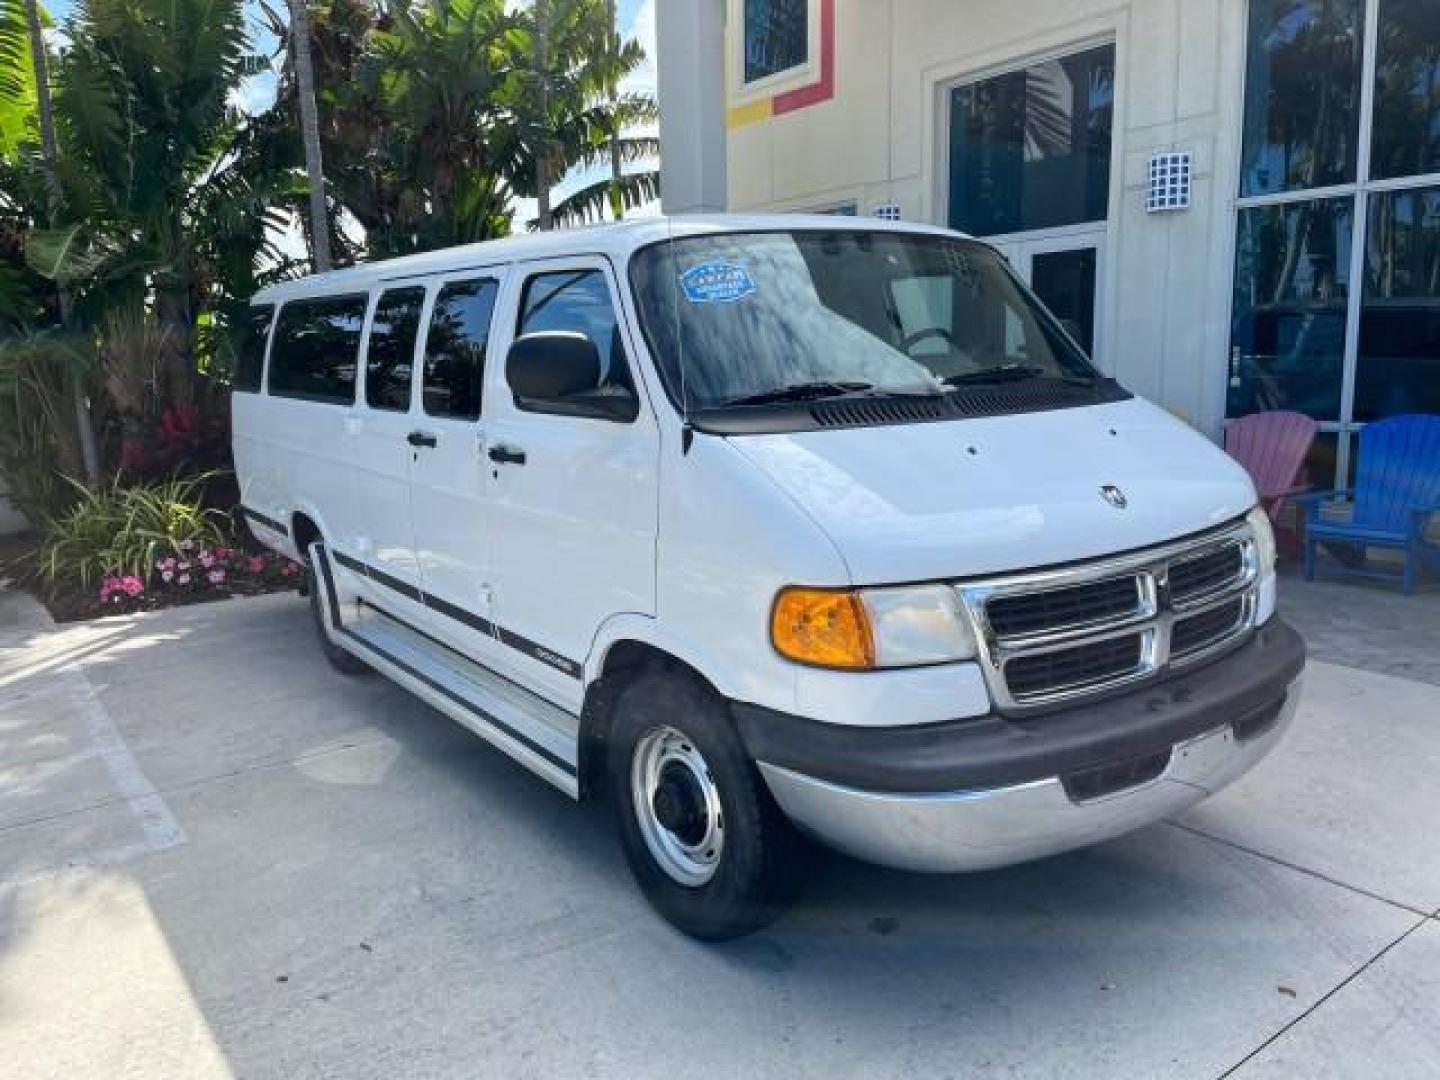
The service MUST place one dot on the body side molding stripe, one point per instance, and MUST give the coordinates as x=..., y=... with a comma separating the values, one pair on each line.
x=469, y=706
x=518, y=642
x=265, y=520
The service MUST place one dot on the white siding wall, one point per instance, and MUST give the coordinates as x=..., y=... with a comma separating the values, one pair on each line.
x=1178, y=86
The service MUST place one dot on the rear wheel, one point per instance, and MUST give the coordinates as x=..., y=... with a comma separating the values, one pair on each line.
x=703, y=836
x=339, y=659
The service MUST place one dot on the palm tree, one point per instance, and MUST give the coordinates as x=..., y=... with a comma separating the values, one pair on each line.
x=310, y=133
x=49, y=157
x=612, y=130
x=168, y=197
x=576, y=115
x=440, y=80
x=540, y=38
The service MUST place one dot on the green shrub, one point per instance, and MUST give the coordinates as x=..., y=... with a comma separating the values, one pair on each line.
x=121, y=531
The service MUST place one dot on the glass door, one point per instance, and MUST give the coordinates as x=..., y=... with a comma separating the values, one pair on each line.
x=1064, y=273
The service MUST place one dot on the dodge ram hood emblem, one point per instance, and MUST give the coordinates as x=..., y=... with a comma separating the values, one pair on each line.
x=1114, y=496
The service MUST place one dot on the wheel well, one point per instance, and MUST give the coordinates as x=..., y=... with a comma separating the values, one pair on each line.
x=623, y=662
x=304, y=532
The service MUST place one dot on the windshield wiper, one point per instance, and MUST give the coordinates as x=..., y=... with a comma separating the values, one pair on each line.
x=1014, y=373
x=806, y=391
x=998, y=374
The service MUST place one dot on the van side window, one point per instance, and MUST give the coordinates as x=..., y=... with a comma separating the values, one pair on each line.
x=316, y=349
x=455, y=348
x=390, y=358
x=579, y=301
x=252, y=330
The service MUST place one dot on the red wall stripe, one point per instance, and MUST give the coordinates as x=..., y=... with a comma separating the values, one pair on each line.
x=824, y=90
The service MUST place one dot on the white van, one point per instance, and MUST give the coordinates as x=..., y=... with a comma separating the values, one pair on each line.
x=768, y=527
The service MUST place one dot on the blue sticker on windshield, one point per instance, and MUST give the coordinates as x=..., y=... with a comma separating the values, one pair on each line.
x=717, y=283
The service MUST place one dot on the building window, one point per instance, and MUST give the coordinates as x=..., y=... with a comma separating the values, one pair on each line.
x=1031, y=149
x=1399, y=361
x=1407, y=89
x=1302, y=97
x=1292, y=288
x=1337, y=265
x=777, y=37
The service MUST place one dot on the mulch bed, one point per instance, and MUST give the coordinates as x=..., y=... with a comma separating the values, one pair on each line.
x=69, y=601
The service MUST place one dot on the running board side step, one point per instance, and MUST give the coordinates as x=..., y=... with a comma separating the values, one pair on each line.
x=539, y=735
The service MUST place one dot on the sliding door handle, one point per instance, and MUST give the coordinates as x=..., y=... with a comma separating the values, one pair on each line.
x=422, y=438
x=506, y=455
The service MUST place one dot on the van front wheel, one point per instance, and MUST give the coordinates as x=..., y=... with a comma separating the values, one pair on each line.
x=707, y=844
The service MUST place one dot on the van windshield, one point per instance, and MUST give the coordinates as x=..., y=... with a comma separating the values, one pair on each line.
x=767, y=317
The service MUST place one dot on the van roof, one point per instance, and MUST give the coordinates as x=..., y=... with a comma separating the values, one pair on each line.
x=615, y=240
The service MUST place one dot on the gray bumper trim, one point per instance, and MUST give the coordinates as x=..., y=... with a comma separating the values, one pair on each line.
x=977, y=830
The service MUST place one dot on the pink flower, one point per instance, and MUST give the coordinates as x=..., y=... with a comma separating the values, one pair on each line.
x=167, y=576
x=215, y=577
x=256, y=565
x=207, y=560
x=184, y=579
x=223, y=552
x=182, y=565
x=132, y=586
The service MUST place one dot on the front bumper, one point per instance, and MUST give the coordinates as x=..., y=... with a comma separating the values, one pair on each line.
x=977, y=794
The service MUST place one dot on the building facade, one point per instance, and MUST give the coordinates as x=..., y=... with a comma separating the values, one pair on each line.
x=1235, y=203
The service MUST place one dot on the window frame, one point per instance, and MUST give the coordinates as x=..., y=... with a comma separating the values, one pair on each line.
x=377, y=294
x=497, y=275
x=360, y=342
x=743, y=92
x=522, y=274
x=264, y=342
x=1359, y=192
x=945, y=173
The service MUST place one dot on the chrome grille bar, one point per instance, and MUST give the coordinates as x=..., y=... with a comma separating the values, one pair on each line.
x=1210, y=572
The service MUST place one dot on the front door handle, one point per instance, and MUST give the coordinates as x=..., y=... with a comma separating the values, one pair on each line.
x=422, y=438
x=506, y=455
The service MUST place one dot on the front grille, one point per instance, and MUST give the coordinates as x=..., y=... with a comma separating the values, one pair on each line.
x=1191, y=635
x=1059, y=609
x=1203, y=574
x=1098, y=662
x=1057, y=635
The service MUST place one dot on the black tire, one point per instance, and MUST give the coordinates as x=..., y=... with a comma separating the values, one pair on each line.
x=761, y=859
x=340, y=660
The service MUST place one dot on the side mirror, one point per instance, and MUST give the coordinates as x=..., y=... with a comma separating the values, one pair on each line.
x=558, y=372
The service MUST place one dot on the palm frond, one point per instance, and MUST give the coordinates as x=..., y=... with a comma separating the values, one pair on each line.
x=591, y=202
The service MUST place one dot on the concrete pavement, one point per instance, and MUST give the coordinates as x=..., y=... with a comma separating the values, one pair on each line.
x=218, y=858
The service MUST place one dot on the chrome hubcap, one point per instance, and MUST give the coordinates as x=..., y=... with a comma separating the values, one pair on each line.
x=678, y=806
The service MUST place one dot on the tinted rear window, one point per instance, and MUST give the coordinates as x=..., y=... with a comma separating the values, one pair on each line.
x=248, y=341
x=316, y=346
x=390, y=357
x=455, y=348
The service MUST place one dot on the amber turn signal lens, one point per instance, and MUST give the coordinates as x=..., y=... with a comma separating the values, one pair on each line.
x=823, y=627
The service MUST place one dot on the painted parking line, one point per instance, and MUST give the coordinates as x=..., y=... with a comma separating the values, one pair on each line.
x=81, y=706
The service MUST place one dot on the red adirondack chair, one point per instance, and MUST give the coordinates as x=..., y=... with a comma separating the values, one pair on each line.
x=1272, y=446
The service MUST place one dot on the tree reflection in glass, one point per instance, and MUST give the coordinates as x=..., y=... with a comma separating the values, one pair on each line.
x=1302, y=93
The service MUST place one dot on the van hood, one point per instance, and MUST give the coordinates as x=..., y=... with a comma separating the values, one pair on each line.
x=1003, y=494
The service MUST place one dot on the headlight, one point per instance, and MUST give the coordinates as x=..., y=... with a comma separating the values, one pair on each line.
x=1264, y=533
x=861, y=629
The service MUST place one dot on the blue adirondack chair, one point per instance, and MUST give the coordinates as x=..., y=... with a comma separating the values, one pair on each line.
x=1397, y=488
